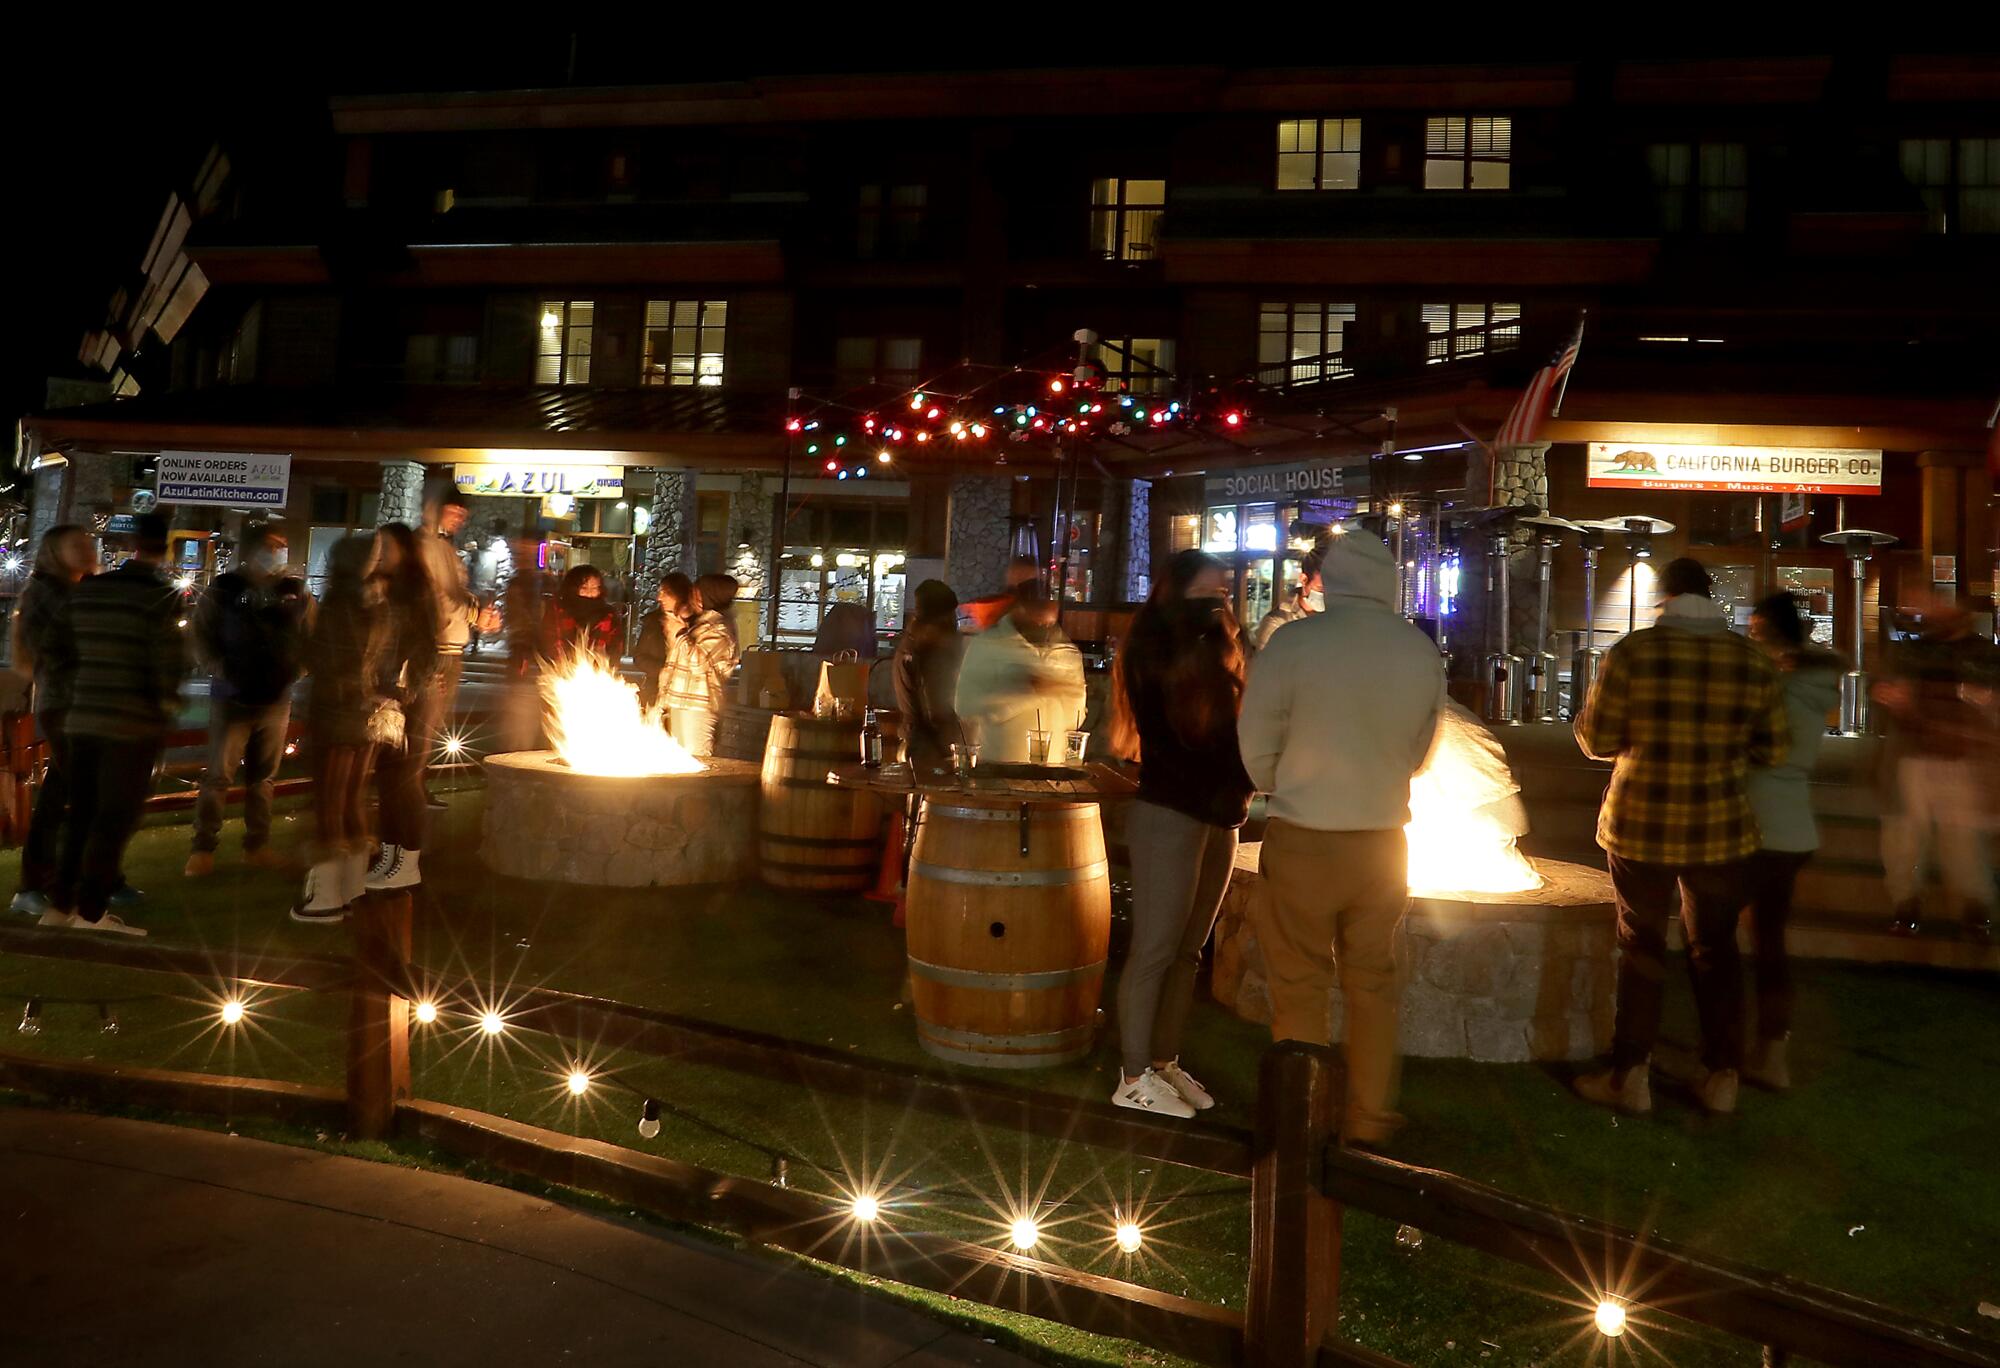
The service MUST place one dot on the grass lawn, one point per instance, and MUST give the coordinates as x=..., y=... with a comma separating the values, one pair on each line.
x=1876, y=1177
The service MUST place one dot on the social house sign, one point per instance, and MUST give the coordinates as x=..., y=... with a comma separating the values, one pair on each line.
x=1736, y=469
x=222, y=478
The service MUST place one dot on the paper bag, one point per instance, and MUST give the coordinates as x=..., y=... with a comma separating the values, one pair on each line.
x=763, y=678
x=843, y=688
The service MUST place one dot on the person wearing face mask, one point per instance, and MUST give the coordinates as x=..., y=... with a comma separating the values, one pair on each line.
x=1021, y=675
x=1175, y=692
x=1307, y=599
x=584, y=619
x=250, y=629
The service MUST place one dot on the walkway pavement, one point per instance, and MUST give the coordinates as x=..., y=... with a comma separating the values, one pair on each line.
x=125, y=1242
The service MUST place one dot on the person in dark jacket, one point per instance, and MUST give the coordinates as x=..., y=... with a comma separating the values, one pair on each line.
x=402, y=667
x=1176, y=690
x=345, y=639
x=926, y=674
x=250, y=627
x=119, y=637
x=658, y=631
x=583, y=618
x=64, y=557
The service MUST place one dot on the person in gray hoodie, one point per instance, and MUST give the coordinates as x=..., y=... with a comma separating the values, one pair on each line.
x=1339, y=712
x=1781, y=798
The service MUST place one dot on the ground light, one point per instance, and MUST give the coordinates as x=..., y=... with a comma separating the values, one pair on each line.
x=1610, y=1318
x=427, y=1011
x=649, y=1119
x=232, y=1012
x=492, y=1023
x=865, y=1208
x=1025, y=1233
x=579, y=1082
x=1130, y=1237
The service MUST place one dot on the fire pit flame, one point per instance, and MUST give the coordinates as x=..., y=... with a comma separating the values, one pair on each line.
x=596, y=725
x=1465, y=813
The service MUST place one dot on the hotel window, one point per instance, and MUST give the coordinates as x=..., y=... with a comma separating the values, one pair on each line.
x=1124, y=215
x=684, y=341
x=1302, y=344
x=878, y=360
x=1319, y=154
x=1457, y=332
x=439, y=359
x=564, y=354
x=1468, y=152
x=890, y=220
x=1137, y=365
x=1958, y=180
x=1701, y=187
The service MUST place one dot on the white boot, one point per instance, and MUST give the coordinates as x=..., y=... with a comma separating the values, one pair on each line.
x=353, y=866
x=397, y=868
x=320, y=901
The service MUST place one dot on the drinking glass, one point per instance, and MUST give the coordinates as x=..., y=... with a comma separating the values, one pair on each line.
x=1074, y=746
x=1038, y=748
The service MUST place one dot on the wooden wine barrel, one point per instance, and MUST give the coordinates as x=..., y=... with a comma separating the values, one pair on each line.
x=742, y=733
x=813, y=837
x=1008, y=924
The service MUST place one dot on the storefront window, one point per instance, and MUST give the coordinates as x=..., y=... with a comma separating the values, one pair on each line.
x=1813, y=586
x=1184, y=532
x=1221, y=536
x=846, y=551
x=1260, y=528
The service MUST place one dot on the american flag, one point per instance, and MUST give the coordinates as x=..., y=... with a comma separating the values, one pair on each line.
x=1532, y=407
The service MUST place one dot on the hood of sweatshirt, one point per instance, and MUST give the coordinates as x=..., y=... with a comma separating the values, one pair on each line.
x=1359, y=566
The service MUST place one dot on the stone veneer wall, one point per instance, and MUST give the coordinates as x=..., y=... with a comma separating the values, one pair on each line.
x=750, y=520
x=1135, y=570
x=402, y=494
x=1520, y=477
x=670, y=534
x=975, y=549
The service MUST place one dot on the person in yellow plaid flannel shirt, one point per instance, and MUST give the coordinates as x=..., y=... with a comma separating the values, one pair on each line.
x=699, y=665
x=1684, y=709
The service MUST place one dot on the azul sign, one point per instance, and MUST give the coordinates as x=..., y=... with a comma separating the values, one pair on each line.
x=1740, y=469
x=539, y=482
x=1325, y=479
x=224, y=479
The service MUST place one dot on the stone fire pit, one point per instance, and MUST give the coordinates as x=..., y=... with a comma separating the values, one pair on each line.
x=546, y=821
x=1504, y=978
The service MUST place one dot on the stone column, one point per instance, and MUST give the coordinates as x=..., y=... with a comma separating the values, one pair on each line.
x=402, y=494
x=975, y=548
x=1126, y=556
x=670, y=535
x=1520, y=477
x=750, y=550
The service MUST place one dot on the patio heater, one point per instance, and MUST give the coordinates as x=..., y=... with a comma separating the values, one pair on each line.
x=1588, y=661
x=1639, y=532
x=1543, y=696
x=1504, y=674
x=1860, y=544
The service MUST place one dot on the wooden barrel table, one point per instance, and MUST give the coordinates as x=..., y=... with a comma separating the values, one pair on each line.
x=742, y=733
x=813, y=837
x=1009, y=925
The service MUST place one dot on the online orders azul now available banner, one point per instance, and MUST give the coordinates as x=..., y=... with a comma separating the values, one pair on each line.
x=224, y=479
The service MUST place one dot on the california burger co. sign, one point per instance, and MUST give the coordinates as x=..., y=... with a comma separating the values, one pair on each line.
x=1736, y=469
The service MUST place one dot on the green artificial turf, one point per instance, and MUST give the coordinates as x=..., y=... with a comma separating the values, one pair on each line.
x=1875, y=1177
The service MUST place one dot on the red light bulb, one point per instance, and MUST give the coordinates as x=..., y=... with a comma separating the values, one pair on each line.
x=1233, y=419
x=1055, y=387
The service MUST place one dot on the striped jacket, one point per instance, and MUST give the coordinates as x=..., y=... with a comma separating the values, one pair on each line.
x=1685, y=709
x=699, y=664
x=119, y=637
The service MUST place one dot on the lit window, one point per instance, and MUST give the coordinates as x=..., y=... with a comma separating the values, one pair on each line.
x=1468, y=152
x=1703, y=187
x=563, y=356
x=1124, y=215
x=684, y=341
x=1456, y=332
x=1136, y=365
x=1302, y=344
x=1319, y=154
x=1958, y=180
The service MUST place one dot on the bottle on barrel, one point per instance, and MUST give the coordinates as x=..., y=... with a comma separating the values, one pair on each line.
x=871, y=740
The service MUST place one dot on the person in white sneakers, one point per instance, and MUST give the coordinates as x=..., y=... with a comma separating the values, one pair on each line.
x=340, y=701
x=403, y=667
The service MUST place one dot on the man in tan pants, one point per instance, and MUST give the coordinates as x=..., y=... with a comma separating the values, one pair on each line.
x=1340, y=711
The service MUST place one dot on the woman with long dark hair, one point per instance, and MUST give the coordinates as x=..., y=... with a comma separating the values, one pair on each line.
x=402, y=661
x=658, y=631
x=583, y=618
x=1781, y=798
x=1175, y=692
x=64, y=557
x=704, y=656
x=340, y=653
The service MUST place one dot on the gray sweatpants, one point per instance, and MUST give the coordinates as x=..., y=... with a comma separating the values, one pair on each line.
x=1180, y=870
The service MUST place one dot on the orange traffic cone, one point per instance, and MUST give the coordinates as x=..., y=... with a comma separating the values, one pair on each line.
x=889, y=879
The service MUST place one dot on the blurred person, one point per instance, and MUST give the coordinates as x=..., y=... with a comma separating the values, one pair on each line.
x=523, y=606
x=1308, y=598
x=582, y=619
x=63, y=558
x=490, y=565
x=1684, y=709
x=403, y=672
x=1020, y=675
x=658, y=631
x=982, y=613
x=444, y=519
x=846, y=627
x=1943, y=752
x=696, y=680
x=250, y=630
x=1176, y=690
x=1339, y=712
x=925, y=672
x=118, y=637
x=342, y=655
x=1781, y=799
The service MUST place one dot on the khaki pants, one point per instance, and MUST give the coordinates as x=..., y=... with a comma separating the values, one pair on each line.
x=1332, y=902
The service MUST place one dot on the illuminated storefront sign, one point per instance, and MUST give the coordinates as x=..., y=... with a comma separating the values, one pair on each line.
x=1737, y=469
x=540, y=482
x=1323, y=479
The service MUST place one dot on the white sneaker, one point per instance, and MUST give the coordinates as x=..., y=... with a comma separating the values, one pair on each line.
x=320, y=899
x=55, y=917
x=1151, y=1093
x=110, y=921
x=398, y=868
x=1184, y=1083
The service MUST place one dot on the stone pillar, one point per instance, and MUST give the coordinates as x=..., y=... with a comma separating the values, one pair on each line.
x=975, y=548
x=750, y=522
x=47, y=501
x=1126, y=556
x=1520, y=477
x=670, y=535
x=402, y=494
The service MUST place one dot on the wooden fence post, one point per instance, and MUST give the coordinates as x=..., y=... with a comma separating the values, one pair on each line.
x=378, y=1020
x=1294, y=1293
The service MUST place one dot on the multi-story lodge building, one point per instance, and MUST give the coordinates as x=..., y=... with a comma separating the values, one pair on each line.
x=1787, y=272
